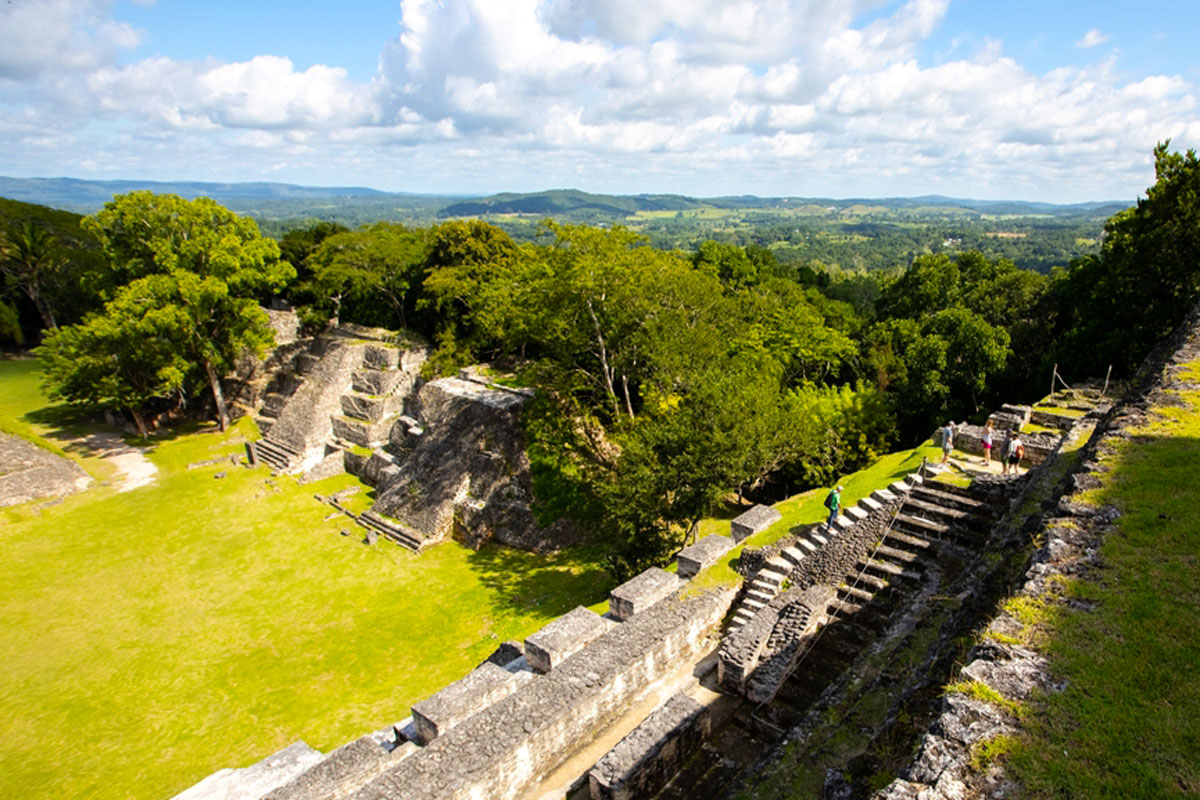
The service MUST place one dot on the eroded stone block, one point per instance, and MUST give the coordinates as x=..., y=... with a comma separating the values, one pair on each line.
x=701, y=554
x=753, y=521
x=564, y=636
x=483, y=686
x=641, y=592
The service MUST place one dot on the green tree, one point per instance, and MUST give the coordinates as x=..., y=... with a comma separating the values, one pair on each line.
x=129, y=354
x=33, y=262
x=369, y=273
x=194, y=262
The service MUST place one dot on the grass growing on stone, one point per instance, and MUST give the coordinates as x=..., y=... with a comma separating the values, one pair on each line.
x=155, y=636
x=1128, y=723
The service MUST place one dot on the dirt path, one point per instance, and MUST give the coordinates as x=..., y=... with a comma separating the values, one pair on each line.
x=131, y=462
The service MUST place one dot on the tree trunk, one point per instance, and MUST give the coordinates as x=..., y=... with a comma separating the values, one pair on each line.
x=628, y=404
x=608, y=376
x=214, y=380
x=138, y=421
x=43, y=308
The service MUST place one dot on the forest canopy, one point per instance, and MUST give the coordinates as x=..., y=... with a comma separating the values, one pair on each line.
x=667, y=379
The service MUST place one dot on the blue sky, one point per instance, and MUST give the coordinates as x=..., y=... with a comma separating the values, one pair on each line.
x=1040, y=101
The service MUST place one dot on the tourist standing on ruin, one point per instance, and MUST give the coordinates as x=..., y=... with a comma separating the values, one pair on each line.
x=987, y=443
x=1004, y=450
x=1015, y=452
x=833, y=502
x=947, y=441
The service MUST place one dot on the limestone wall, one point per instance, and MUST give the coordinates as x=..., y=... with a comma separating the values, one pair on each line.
x=499, y=752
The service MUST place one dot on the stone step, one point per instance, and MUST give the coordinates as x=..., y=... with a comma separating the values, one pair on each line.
x=818, y=537
x=946, y=514
x=867, y=579
x=856, y=593
x=264, y=423
x=843, y=608
x=895, y=554
x=393, y=530
x=807, y=545
x=760, y=596
x=772, y=578
x=886, y=568
x=369, y=407
x=939, y=496
x=922, y=525
x=276, y=455
x=908, y=539
x=381, y=382
x=752, y=604
x=793, y=555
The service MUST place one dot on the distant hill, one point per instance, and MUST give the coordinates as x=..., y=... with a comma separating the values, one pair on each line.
x=86, y=196
x=557, y=202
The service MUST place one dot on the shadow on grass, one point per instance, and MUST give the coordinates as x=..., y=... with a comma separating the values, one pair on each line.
x=70, y=424
x=545, y=585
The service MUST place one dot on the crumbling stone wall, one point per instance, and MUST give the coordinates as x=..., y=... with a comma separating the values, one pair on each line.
x=836, y=559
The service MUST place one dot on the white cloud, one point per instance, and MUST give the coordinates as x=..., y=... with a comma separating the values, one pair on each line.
x=702, y=96
x=47, y=36
x=1092, y=38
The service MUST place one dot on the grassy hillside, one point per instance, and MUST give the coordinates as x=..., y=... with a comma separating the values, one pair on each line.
x=1128, y=723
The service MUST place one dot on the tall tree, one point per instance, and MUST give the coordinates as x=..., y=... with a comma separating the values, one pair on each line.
x=33, y=262
x=192, y=261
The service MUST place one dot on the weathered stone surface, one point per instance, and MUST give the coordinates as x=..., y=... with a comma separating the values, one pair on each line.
x=707, y=551
x=503, y=751
x=28, y=472
x=381, y=382
x=756, y=520
x=463, y=470
x=369, y=407
x=1038, y=446
x=342, y=771
x=483, y=686
x=360, y=432
x=563, y=637
x=256, y=780
x=381, y=356
x=640, y=592
x=305, y=420
x=642, y=762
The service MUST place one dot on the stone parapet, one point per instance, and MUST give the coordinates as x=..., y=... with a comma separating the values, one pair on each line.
x=756, y=520
x=503, y=751
x=342, y=771
x=640, y=592
x=483, y=686
x=707, y=551
x=563, y=637
x=641, y=763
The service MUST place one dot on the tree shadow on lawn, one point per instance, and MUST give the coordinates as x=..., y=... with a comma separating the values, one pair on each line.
x=70, y=425
x=546, y=585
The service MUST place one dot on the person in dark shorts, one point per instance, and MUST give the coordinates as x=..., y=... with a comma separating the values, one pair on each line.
x=1014, y=454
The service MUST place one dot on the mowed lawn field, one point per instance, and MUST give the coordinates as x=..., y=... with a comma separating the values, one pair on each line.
x=154, y=636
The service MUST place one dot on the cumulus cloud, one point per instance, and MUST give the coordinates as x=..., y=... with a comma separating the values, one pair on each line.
x=703, y=96
x=45, y=36
x=1092, y=38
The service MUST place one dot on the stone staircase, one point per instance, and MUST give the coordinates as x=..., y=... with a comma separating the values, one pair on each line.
x=278, y=456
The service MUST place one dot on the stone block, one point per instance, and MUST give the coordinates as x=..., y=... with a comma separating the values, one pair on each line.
x=870, y=504
x=563, y=637
x=857, y=514
x=1020, y=412
x=381, y=356
x=641, y=592
x=369, y=407
x=360, y=432
x=753, y=521
x=642, y=763
x=506, y=653
x=704, y=552
x=883, y=497
x=483, y=686
x=379, y=382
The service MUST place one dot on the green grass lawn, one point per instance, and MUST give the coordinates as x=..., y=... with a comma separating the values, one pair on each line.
x=1128, y=723
x=155, y=636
